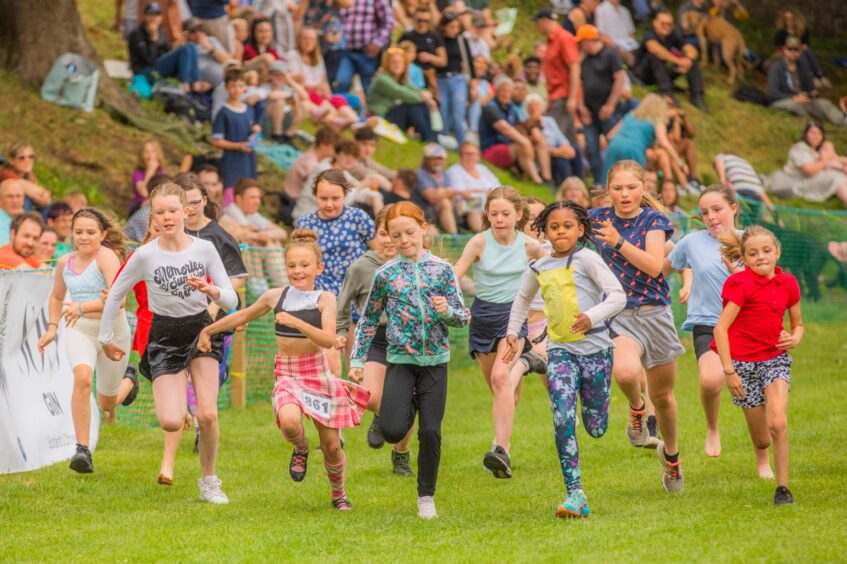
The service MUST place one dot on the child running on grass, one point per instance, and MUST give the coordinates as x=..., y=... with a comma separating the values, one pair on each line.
x=499, y=256
x=752, y=344
x=580, y=293
x=305, y=386
x=354, y=291
x=420, y=295
x=631, y=236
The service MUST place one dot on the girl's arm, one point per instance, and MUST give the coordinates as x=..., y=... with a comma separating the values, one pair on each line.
x=534, y=250
x=520, y=307
x=473, y=250
x=369, y=321
x=348, y=292
x=227, y=299
x=132, y=273
x=614, y=301
x=788, y=340
x=262, y=306
x=687, y=278
x=649, y=260
x=662, y=139
x=54, y=306
x=733, y=382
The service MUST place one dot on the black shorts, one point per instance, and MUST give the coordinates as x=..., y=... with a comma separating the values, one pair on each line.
x=378, y=351
x=703, y=337
x=489, y=324
x=172, y=344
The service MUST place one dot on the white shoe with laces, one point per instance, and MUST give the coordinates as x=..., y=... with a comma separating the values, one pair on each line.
x=426, y=507
x=210, y=490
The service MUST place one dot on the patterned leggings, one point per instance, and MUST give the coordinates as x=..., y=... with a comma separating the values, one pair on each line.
x=588, y=376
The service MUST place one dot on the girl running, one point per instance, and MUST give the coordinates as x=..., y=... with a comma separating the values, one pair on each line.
x=84, y=275
x=752, y=344
x=499, y=258
x=704, y=273
x=420, y=295
x=631, y=236
x=175, y=267
x=580, y=293
x=305, y=326
x=357, y=285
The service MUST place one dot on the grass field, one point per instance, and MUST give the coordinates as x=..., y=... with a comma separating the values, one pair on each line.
x=725, y=513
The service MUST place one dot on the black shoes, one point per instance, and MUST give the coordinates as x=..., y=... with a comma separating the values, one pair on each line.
x=401, y=461
x=298, y=465
x=375, y=438
x=783, y=496
x=498, y=462
x=81, y=461
x=133, y=393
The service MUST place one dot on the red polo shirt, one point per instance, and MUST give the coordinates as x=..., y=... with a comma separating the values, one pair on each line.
x=561, y=51
x=763, y=302
x=10, y=260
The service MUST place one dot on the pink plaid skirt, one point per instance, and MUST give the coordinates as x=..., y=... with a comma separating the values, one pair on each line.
x=306, y=380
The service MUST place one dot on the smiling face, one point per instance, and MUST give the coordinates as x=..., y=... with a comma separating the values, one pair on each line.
x=46, y=246
x=212, y=183
x=25, y=238
x=397, y=64
x=760, y=254
x=330, y=199
x=308, y=40
x=502, y=216
x=407, y=235
x=626, y=191
x=563, y=230
x=302, y=266
x=384, y=244
x=24, y=160
x=168, y=215
x=62, y=225
x=814, y=137
x=717, y=213
x=263, y=34
x=88, y=236
x=469, y=156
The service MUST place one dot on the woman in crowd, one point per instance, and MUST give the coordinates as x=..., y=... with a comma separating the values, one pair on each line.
x=456, y=78
x=472, y=180
x=20, y=165
x=814, y=171
x=150, y=163
x=259, y=52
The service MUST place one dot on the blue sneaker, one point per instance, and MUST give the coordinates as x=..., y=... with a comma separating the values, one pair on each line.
x=575, y=505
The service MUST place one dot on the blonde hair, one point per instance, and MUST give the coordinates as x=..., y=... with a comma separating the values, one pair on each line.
x=732, y=244
x=386, y=60
x=647, y=199
x=168, y=189
x=160, y=154
x=307, y=238
x=652, y=108
x=574, y=181
x=512, y=196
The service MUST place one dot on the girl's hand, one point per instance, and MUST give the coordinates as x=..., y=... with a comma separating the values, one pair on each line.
x=786, y=341
x=113, y=351
x=684, y=293
x=607, y=233
x=512, y=351
x=733, y=382
x=204, y=342
x=730, y=266
x=47, y=338
x=204, y=287
x=340, y=342
x=285, y=318
x=440, y=304
x=355, y=374
x=244, y=147
x=71, y=313
x=582, y=323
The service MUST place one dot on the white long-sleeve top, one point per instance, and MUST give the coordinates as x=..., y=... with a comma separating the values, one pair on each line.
x=599, y=295
x=166, y=274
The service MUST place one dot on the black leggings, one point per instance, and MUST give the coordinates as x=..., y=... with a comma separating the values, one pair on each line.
x=409, y=389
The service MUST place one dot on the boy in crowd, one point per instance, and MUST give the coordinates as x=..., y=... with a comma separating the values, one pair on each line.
x=59, y=218
x=367, y=170
x=233, y=131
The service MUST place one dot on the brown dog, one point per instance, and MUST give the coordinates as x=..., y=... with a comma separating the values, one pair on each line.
x=714, y=30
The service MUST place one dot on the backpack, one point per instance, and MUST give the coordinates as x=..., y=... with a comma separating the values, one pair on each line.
x=175, y=101
x=749, y=93
x=72, y=81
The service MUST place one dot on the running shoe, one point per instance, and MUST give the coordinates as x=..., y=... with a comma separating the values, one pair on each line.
x=81, y=461
x=298, y=465
x=210, y=490
x=636, y=428
x=653, y=432
x=375, y=438
x=672, y=479
x=426, y=507
x=497, y=461
x=132, y=375
x=575, y=505
x=401, y=461
x=342, y=504
x=783, y=496
x=534, y=362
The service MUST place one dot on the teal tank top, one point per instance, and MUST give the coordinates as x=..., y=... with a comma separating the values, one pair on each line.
x=499, y=273
x=86, y=285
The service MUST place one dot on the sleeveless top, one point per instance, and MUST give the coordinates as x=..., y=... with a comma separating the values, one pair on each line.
x=299, y=304
x=499, y=272
x=86, y=285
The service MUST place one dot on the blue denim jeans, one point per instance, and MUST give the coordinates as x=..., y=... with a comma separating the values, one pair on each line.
x=415, y=116
x=179, y=63
x=454, y=103
x=355, y=62
x=592, y=133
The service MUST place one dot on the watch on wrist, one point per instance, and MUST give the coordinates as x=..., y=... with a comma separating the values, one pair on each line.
x=619, y=244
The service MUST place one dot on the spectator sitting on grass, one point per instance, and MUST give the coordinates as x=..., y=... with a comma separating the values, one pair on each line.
x=814, y=171
x=257, y=230
x=615, y=23
x=738, y=174
x=404, y=188
x=791, y=23
x=295, y=181
x=136, y=226
x=60, y=220
x=556, y=156
x=20, y=165
x=472, y=181
x=535, y=83
x=11, y=205
x=435, y=188
x=19, y=253
x=365, y=166
x=150, y=163
x=211, y=54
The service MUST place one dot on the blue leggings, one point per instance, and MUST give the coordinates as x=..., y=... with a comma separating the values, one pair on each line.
x=588, y=376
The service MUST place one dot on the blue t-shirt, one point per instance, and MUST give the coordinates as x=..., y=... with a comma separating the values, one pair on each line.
x=416, y=76
x=342, y=240
x=5, y=227
x=234, y=125
x=700, y=252
x=208, y=9
x=641, y=289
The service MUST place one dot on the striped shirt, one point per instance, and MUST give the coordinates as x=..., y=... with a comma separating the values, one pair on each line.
x=741, y=174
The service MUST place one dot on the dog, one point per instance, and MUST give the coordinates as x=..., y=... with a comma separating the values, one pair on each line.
x=713, y=32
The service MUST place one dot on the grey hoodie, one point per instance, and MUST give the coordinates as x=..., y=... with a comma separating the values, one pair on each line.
x=357, y=286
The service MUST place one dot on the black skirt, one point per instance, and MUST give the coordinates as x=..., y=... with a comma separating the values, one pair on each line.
x=173, y=343
x=489, y=324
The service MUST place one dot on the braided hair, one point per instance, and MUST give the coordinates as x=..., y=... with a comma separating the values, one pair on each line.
x=540, y=222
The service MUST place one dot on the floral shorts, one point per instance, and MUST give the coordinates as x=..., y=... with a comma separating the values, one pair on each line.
x=756, y=376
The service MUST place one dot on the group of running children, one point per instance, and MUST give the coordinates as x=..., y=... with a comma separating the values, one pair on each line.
x=577, y=296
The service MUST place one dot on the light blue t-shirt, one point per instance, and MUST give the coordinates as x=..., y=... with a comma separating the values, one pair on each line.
x=700, y=252
x=5, y=227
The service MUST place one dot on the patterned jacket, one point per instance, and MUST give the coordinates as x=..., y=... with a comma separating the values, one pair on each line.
x=416, y=333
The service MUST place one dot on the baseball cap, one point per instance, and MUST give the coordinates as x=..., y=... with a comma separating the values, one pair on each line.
x=587, y=31
x=152, y=8
x=544, y=15
x=793, y=42
x=478, y=20
x=191, y=24
x=278, y=66
x=434, y=151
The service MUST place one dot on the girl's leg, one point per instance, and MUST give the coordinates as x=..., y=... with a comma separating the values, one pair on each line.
x=504, y=395
x=430, y=385
x=373, y=380
x=289, y=417
x=204, y=376
x=171, y=445
x=757, y=425
x=169, y=398
x=711, y=385
x=660, y=383
x=334, y=459
x=486, y=363
x=776, y=408
x=563, y=375
x=397, y=409
x=594, y=391
x=81, y=402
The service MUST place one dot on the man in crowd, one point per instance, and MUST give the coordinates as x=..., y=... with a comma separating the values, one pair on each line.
x=211, y=54
x=431, y=53
x=433, y=187
x=560, y=65
x=60, y=219
x=535, y=83
x=11, y=204
x=615, y=24
x=19, y=253
x=367, y=27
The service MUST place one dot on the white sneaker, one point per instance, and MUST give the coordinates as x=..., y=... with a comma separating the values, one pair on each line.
x=210, y=490
x=426, y=507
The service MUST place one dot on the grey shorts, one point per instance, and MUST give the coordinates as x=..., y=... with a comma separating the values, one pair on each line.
x=653, y=329
x=756, y=376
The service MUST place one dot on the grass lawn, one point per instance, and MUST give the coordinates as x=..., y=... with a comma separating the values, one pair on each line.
x=725, y=512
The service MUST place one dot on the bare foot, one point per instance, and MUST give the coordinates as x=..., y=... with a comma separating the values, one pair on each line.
x=765, y=472
x=713, y=444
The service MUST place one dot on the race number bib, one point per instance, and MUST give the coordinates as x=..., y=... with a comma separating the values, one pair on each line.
x=320, y=407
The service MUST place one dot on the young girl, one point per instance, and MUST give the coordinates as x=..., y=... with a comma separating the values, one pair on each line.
x=631, y=236
x=357, y=286
x=175, y=267
x=698, y=256
x=305, y=326
x=420, y=295
x=499, y=258
x=580, y=293
x=752, y=344
x=99, y=248
x=151, y=160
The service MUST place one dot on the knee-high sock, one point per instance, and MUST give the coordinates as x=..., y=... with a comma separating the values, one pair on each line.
x=335, y=473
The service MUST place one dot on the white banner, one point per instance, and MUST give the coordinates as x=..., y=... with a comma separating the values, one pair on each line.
x=36, y=428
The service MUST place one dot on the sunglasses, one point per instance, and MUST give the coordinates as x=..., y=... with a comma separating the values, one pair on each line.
x=792, y=49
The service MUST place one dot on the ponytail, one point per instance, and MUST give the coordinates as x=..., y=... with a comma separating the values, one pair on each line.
x=732, y=244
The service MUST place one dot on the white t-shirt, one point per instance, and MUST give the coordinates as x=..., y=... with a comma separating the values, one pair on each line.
x=255, y=220
x=459, y=179
x=313, y=75
x=616, y=22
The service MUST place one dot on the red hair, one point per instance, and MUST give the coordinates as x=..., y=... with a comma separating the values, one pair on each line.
x=410, y=210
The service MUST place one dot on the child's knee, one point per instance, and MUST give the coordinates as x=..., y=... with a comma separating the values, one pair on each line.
x=777, y=425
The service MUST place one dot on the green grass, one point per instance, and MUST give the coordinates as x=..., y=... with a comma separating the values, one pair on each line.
x=725, y=512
